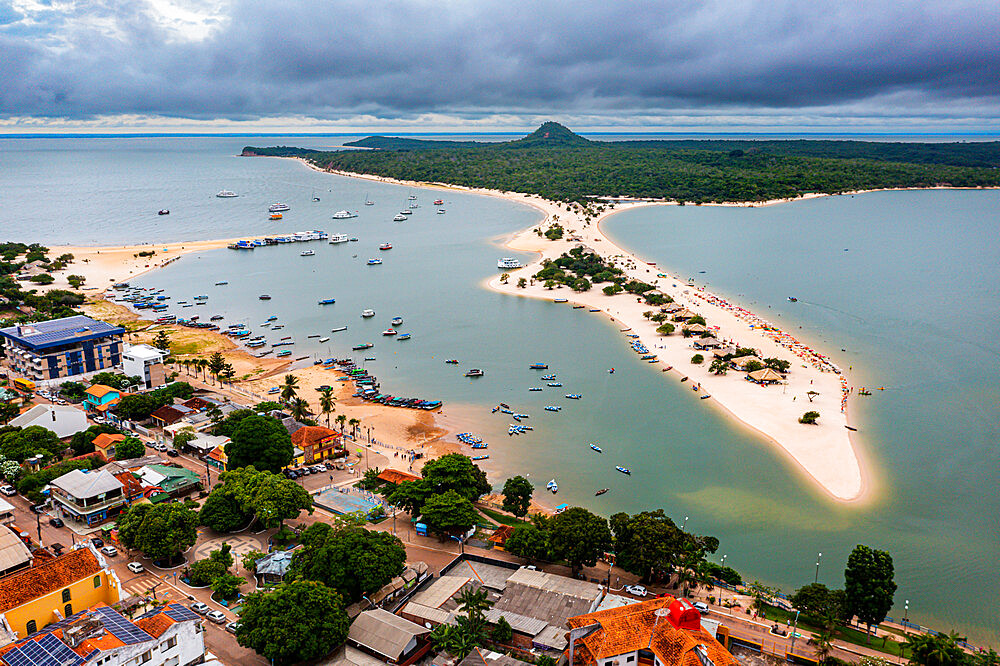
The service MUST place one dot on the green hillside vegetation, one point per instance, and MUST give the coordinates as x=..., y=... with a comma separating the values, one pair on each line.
x=557, y=164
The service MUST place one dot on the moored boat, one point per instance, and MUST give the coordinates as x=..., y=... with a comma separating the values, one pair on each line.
x=374, y=262
x=508, y=262
x=385, y=246
x=367, y=314
x=366, y=345
x=389, y=331
x=404, y=336
x=226, y=194
x=264, y=297
x=328, y=301
x=397, y=321
x=338, y=329
x=278, y=207
x=307, y=253
x=573, y=396
x=163, y=211
x=601, y=491
x=399, y=218
x=324, y=339
x=438, y=202
x=275, y=216
x=475, y=372
x=597, y=448
x=623, y=470
x=344, y=215
x=553, y=486
x=539, y=366
x=338, y=238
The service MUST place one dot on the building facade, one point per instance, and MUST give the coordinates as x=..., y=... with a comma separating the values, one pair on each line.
x=317, y=443
x=99, y=398
x=88, y=497
x=145, y=362
x=49, y=351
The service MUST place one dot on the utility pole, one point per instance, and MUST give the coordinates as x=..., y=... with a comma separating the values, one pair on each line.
x=795, y=628
x=819, y=558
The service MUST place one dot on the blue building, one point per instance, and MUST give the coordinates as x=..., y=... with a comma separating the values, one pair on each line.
x=62, y=348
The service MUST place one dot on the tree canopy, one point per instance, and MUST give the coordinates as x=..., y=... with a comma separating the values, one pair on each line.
x=160, y=531
x=245, y=492
x=130, y=447
x=449, y=513
x=261, y=441
x=517, y=493
x=528, y=541
x=455, y=472
x=19, y=444
x=579, y=537
x=869, y=584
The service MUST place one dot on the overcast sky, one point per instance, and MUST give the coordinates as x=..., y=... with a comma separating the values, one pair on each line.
x=485, y=64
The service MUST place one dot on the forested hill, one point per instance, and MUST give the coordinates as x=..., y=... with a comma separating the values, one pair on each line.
x=555, y=163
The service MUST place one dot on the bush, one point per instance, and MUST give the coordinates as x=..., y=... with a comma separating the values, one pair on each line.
x=44, y=278
x=697, y=358
x=809, y=417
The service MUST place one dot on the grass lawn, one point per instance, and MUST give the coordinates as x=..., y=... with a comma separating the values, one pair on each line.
x=846, y=634
x=502, y=518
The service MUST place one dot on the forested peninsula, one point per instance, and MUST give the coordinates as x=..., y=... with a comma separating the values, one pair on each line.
x=557, y=164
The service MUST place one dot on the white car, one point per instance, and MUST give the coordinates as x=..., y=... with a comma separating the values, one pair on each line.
x=162, y=448
x=136, y=567
x=637, y=590
x=217, y=617
x=110, y=551
x=701, y=606
x=8, y=491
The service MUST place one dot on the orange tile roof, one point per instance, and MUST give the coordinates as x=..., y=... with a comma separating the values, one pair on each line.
x=23, y=586
x=638, y=627
x=311, y=436
x=218, y=454
x=156, y=625
x=104, y=440
x=501, y=534
x=395, y=476
x=100, y=390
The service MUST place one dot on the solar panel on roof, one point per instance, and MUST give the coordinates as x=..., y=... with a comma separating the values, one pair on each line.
x=15, y=657
x=121, y=628
x=179, y=613
x=34, y=652
x=59, y=651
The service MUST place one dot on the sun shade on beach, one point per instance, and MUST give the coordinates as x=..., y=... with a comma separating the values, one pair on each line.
x=765, y=375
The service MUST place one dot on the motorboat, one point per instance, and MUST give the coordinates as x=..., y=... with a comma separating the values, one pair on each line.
x=227, y=194
x=412, y=197
x=338, y=238
x=596, y=448
x=535, y=388
x=221, y=283
x=552, y=408
x=328, y=301
x=389, y=331
x=553, y=486
x=344, y=215
x=264, y=297
x=554, y=384
x=367, y=314
x=163, y=211
x=623, y=470
x=216, y=318
x=324, y=339
x=413, y=206
x=441, y=211
x=539, y=366
x=508, y=262
x=399, y=218
x=601, y=492
x=573, y=396
x=404, y=336
x=397, y=321
x=366, y=345
x=406, y=212
x=793, y=299
x=353, y=239
x=475, y=372
x=338, y=329
x=272, y=318
x=374, y=262
x=547, y=378
x=385, y=246
x=307, y=253
x=274, y=216
x=452, y=361
x=278, y=207
x=439, y=202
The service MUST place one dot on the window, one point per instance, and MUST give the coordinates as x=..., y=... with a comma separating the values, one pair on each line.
x=97, y=582
x=146, y=656
x=68, y=609
x=169, y=643
x=31, y=628
x=66, y=595
x=630, y=658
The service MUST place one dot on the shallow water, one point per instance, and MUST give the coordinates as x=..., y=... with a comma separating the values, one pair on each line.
x=913, y=302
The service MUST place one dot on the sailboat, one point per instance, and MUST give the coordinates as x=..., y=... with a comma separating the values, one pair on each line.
x=315, y=198
x=368, y=202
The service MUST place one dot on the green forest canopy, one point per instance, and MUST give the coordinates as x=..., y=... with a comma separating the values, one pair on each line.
x=557, y=164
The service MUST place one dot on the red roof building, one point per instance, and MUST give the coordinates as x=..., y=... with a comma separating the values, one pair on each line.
x=317, y=443
x=105, y=444
x=397, y=477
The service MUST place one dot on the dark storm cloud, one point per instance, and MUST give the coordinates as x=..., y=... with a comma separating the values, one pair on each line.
x=329, y=59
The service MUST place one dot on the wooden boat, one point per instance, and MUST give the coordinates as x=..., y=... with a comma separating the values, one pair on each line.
x=475, y=372
x=601, y=491
x=539, y=366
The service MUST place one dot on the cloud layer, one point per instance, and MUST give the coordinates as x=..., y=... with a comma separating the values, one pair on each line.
x=331, y=60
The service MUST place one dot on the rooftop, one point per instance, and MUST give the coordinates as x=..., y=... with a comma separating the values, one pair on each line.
x=13, y=552
x=49, y=576
x=56, y=332
x=312, y=435
x=99, y=390
x=145, y=353
x=104, y=440
x=382, y=632
x=81, y=484
x=395, y=476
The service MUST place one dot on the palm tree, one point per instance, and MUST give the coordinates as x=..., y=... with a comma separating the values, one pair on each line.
x=354, y=423
x=326, y=404
x=288, y=388
x=299, y=409
x=203, y=366
x=341, y=419
x=719, y=366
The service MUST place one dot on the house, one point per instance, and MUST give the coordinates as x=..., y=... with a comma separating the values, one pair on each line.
x=64, y=420
x=49, y=591
x=741, y=362
x=659, y=632
x=145, y=362
x=412, y=575
x=318, y=443
x=500, y=536
x=291, y=425
x=131, y=487
x=271, y=569
x=396, y=477
x=169, y=415
x=6, y=512
x=389, y=637
x=217, y=458
x=105, y=444
x=89, y=497
x=765, y=376
x=171, y=635
x=14, y=554
x=98, y=398
x=58, y=349
x=706, y=343
x=483, y=657
x=203, y=443
x=173, y=481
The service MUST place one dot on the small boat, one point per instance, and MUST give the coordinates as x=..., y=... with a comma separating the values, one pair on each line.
x=475, y=372
x=307, y=253
x=274, y=216
x=554, y=384
x=338, y=238
x=406, y=212
x=389, y=331
x=573, y=396
x=216, y=317
x=201, y=297
x=397, y=321
x=369, y=358
x=272, y=318
x=315, y=335
x=552, y=408
x=221, y=283
x=368, y=202
x=452, y=361
x=227, y=194
x=385, y=246
x=277, y=327
x=851, y=428
x=324, y=339
x=623, y=470
x=284, y=352
x=547, y=378
x=354, y=239
x=374, y=262
x=560, y=300
x=273, y=390
x=596, y=448
x=539, y=366
x=793, y=299
x=367, y=314
x=338, y=329
x=704, y=396
x=163, y=211
x=278, y=207
x=441, y=211
x=439, y=202
x=508, y=262
x=535, y=388
x=344, y=215
x=601, y=492
x=399, y=218
x=328, y=301
x=505, y=405
x=360, y=347
x=404, y=336
x=553, y=486
x=482, y=457
x=264, y=297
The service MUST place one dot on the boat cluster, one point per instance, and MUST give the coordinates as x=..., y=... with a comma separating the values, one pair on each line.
x=640, y=348
x=368, y=388
x=297, y=237
x=475, y=441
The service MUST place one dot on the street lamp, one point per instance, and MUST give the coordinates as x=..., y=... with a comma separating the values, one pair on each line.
x=818, y=559
x=684, y=526
x=906, y=611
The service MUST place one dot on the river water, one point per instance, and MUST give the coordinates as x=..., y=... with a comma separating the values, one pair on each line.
x=913, y=303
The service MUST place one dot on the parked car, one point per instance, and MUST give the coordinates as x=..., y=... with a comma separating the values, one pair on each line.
x=97, y=543
x=56, y=522
x=200, y=608
x=637, y=590
x=217, y=617
x=110, y=551
x=233, y=627
x=136, y=567
x=701, y=606
x=173, y=453
x=8, y=491
x=161, y=447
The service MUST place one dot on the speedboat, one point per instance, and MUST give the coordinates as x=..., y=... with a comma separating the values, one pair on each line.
x=344, y=215
x=366, y=345
x=596, y=448
x=272, y=318
x=555, y=384
x=413, y=205
x=539, y=366
x=367, y=313
x=397, y=321
x=535, y=388
x=406, y=212
x=324, y=339
x=215, y=317
x=547, y=378
x=328, y=301
x=338, y=329
x=404, y=336
x=623, y=470
x=307, y=253
x=439, y=202
x=441, y=211
x=338, y=238
x=264, y=297
x=475, y=372
x=374, y=262
x=389, y=331
x=385, y=246
x=227, y=194
x=553, y=486
x=274, y=216
x=573, y=396
x=452, y=361
x=399, y=218
x=221, y=283
x=601, y=491
x=793, y=299
x=278, y=207
x=163, y=211
x=508, y=262
x=552, y=408
x=412, y=197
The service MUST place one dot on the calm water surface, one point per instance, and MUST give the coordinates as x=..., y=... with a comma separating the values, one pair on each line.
x=913, y=303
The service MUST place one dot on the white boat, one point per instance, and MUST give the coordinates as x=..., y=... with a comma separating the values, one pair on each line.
x=342, y=328
x=338, y=238
x=278, y=207
x=397, y=321
x=344, y=215
x=399, y=218
x=368, y=202
x=307, y=253
x=389, y=331
x=441, y=211
x=374, y=262
x=413, y=206
x=406, y=212
x=227, y=194
x=324, y=339
x=553, y=486
x=367, y=314
x=412, y=197
x=508, y=262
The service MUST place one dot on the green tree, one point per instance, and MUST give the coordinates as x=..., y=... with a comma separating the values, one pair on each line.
x=517, y=493
x=288, y=387
x=130, y=448
x=528, y=541
x=260, y=441
x=296, y=622
x=410, y=496
x=227, y=426
x=818, y=601
x=223, y=509
x=160, y=531
x=936, y=650
x=719, y=366
x=20, y=444
x=298, y=409
x=137, y=406
x=449, y=512
x=249, y=560
x=665, y=329
x=777, y=364
x=184, y=436
x=579, y=537
x=522, y=283
x=503, y=632
x=162, y=340
x=697, y=358
x=276, y=499
x=474, y=604
x=326, y=404
x=8, y=410
x=83, y=442
x=809, y=417
x=227, y=586
x=869, y=585
x=752, y=366
x=647, y=543
x=455, y=472
x=341, y=420
x=216, y=363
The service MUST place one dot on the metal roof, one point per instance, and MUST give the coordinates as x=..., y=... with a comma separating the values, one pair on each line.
x=384, y=633
x=80, y=484
x=55, y=332
x=427, y=614
x=440, y=591
x=522, y=623
x=552, y=637
x=13, y=552
x=541, y=580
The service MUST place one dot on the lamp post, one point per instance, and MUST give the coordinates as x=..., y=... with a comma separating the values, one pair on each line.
x=906, y=611
x=791, y=650
x=684, y=526
x=818, y=559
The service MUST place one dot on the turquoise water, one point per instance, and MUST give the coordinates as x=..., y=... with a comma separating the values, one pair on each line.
x=913, y=303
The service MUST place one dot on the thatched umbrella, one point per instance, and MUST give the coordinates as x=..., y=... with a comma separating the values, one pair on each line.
x=765, y=376
x=696, y=328
x=741, y=362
